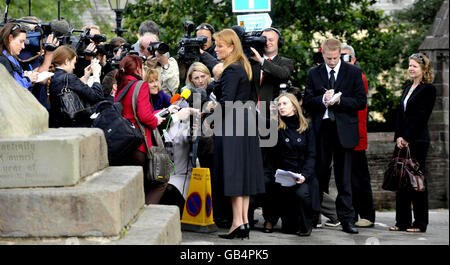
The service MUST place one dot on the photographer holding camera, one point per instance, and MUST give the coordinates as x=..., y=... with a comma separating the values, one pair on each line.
x=157, y=54
x=269, y=71
x=147, y=27
x=95, y=38
x=37, y=55
x=208, y=55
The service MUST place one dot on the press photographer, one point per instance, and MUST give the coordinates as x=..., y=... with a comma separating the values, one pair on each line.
x=158, y=58
x=86, y=48
x=208, y=54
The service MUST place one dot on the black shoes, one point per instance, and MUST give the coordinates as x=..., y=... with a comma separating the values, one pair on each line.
x=239, y=232
x=349, y=228
x=266, y=229
x=307, y=233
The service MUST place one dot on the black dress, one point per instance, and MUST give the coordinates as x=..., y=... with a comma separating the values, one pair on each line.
x=237, y=156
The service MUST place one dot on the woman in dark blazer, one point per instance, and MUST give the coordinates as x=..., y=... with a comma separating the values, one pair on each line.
x=63, y=63
x=411, y=131
x=237, y=159
x=295, y=152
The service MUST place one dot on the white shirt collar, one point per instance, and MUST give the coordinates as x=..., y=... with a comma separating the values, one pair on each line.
x=271, y=58
x=336, y=69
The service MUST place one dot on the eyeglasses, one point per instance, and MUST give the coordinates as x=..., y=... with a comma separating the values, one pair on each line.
x=417, y=56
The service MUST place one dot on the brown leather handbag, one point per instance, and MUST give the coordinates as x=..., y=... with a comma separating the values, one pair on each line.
x=403, y=173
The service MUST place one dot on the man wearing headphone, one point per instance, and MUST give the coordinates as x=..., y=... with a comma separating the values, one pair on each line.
x=269, y=71
x=207, y=54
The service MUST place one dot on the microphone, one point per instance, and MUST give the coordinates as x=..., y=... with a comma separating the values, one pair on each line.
x=184, y=97
x=59, y=27
x=175, y=98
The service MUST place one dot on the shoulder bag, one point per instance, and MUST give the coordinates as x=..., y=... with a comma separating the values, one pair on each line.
x=72, y=107
x=158, y=166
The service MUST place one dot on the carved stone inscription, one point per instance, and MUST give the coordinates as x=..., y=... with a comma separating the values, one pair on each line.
x=17, y=160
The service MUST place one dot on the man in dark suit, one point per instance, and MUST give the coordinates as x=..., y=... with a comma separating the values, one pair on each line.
x=335, y=122
x=269, y=71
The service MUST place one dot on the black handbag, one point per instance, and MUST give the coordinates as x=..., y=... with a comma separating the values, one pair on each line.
x=72, y=107
x=159, y=163
x=122, y=137
x=403, y=173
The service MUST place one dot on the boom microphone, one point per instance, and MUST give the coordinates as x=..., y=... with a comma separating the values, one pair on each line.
x=59, y=27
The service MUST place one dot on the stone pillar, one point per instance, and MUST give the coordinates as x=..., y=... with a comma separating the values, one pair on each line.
x=436, y=48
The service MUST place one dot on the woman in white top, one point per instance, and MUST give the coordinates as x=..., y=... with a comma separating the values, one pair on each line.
x=411, y=130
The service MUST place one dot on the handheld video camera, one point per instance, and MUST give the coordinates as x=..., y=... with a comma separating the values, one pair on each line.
x=189, y=48
x=84, y=40
x=250, y=39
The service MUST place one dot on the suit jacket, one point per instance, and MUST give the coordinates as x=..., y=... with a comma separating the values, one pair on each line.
x=349, y=82
x=412, y=123
x=276, y=72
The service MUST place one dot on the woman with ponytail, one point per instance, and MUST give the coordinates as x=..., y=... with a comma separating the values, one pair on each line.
x=63, y=63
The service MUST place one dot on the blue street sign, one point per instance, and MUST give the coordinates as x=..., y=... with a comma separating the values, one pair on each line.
x=254, y=22
x=247, y=6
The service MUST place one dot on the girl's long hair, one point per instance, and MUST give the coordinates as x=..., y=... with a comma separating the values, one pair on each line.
x=303, y=122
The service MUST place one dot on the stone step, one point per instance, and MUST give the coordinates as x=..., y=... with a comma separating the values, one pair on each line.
x=101, y=205
x=58, y=157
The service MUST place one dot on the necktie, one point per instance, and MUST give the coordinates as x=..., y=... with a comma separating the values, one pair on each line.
x=332, y=80
x=260, y=83
x=331, y=83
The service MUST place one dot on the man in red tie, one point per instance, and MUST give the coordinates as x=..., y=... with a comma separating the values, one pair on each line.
x=269, y=71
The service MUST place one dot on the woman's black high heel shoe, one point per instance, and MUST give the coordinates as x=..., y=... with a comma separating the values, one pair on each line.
x=239, y=232
x=247, y=230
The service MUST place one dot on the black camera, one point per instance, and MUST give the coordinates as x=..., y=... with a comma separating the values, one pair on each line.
x=159, y=46
x=189, y=48
x=250, y=39
x=84, y=40
x=255, y=40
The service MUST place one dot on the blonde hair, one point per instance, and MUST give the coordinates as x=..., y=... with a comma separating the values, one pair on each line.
x=331, y=45
x=150, y=75
x=230, y=38
x=425, y=64
x=303, y=122
x=199, y=67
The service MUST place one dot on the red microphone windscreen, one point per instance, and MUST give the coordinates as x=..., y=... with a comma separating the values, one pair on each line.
x=175, y=98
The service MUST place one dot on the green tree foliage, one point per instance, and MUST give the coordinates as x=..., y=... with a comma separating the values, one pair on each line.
x=47, y=11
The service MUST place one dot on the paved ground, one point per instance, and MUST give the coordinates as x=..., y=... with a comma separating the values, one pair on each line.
x=437, y=234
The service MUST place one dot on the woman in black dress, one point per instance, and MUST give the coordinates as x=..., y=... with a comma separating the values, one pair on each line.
x=411, y=130
x=237, y=155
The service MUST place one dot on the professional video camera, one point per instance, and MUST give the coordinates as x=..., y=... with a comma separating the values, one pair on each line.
x=189, y=48
x=84, y=40
x=110, y=51
x=250, y=39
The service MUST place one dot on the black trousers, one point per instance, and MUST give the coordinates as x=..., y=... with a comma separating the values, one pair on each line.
x=269, y=200
x=296, y=208
x=418, y=199
x=330, y=150
x=361, y=187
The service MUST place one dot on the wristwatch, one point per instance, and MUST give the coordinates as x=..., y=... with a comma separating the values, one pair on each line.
x=165, y=67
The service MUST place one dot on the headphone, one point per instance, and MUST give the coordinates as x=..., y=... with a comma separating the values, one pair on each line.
x=280, y=39
x=207, y=27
